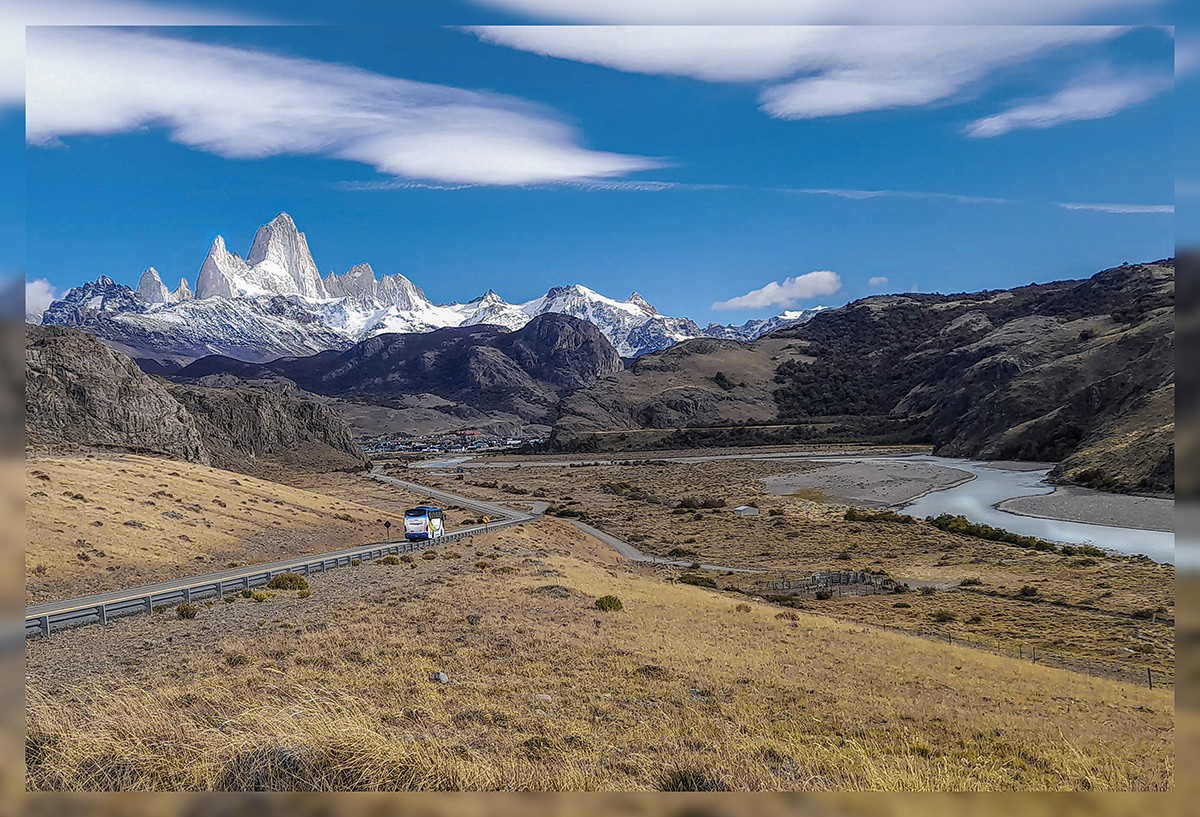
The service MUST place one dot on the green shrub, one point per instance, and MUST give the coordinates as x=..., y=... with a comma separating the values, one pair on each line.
x=355, y=562
x=859, y=515
x=608, y=603
x=971, y=581
x=1029, y=591
x=902, y=605
x=288, y=581
x=389, y=560
x=698, y=581
x=944, y=616
x=187, y=610
x=303, y=594
x=260, y=596
x=964, y=527
x=824, y=595
x=928, y=591
x=787, y=615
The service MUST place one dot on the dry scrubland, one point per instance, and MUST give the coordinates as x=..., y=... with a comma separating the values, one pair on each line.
x=1114, y=610
x=682, y=688
x=105, y=522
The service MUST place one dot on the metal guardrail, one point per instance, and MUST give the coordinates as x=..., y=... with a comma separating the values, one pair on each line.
x=42, y=619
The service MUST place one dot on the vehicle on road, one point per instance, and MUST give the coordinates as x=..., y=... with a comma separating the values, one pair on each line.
x=424, y=522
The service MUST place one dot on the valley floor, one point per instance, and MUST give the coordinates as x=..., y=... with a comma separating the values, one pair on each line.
x=684, y=687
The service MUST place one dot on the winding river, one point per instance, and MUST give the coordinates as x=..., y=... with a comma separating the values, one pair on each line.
x=977, y=500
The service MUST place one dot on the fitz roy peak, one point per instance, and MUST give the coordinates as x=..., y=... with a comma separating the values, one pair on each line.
x=274, y=303
x=279, y=264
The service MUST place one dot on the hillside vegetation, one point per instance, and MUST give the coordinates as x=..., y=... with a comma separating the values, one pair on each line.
x=1080, y=372
x=490, y=667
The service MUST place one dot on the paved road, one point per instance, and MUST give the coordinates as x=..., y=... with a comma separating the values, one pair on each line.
x=41, y=617
x=630, y=552
x=100, y=606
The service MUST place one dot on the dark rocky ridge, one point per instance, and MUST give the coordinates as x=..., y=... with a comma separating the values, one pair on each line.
x=487, y=368
x=80, y=394
x=1075, y=372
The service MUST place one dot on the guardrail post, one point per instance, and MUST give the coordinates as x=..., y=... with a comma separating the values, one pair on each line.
x=44, y=623
x=150, y=604
x=187, y=595
x=102, y=611
x=245, y=582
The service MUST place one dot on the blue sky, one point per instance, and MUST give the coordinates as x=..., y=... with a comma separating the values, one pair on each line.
x=728, y=155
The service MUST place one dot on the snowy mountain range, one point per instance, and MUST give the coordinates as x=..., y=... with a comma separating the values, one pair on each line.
x=275, y=303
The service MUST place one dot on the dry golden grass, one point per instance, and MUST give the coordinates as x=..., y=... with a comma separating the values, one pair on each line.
x=1085, y=604
x=105, y=522
x=678, y=689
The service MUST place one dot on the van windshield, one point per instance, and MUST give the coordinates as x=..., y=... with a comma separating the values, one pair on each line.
x=416, y=512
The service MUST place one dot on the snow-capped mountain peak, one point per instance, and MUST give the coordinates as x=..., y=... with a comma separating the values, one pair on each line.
x=274, y=303
x=637, y=300
x=280, y=256
x=152, y=289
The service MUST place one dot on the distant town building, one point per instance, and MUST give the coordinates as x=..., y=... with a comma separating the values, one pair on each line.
x=746, y=510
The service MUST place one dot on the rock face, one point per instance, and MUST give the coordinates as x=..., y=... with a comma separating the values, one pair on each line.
x=78, y=393
x=486, y=368
x=81, y=394
x=241, y=426
x=1076, y=372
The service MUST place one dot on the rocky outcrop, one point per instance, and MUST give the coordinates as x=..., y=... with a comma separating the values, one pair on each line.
x=80, y=394
x=242, y=426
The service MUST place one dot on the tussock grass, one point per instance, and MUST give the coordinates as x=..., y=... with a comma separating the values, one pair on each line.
x=542, y=697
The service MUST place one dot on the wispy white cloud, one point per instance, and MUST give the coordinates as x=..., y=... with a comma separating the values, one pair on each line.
x=863, y=195
x=786, y=293
x=811, y=71
x=39, y=294
x=1082, y=100
x=243, y=104
x=1123, y=209
x=15, y=15
x=877, y=281
x=820, y=12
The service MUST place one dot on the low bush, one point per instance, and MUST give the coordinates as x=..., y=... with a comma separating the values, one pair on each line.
x=1028, y=591
x=971, y=581
x=303, y=594
x=389, y=560
x=824, y=595
x=964, y=527
x=698, y=581
x=902, y=605
x=260, y=596
x=742, y=608
x=429, y=555
x=944, y=616
x=609, y=603
x=928, y=591
x=860, y=515
x=787, y=615
x=355, y=562
x=288, y=581
x=187, y=610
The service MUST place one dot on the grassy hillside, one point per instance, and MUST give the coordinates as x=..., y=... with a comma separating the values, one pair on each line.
x=683, y=688
x=109, y=521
